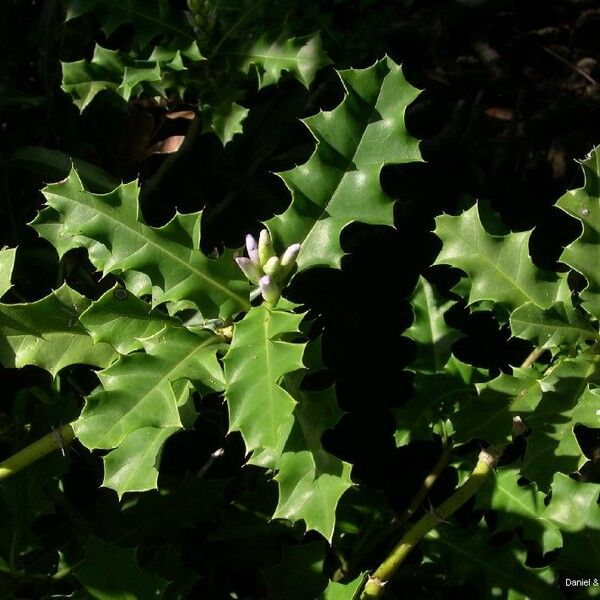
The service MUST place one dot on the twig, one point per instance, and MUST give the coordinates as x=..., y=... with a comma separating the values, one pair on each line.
x=374, y=587
x=532, y=358
x=575, y=68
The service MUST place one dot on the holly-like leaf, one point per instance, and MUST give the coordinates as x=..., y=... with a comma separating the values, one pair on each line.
x=499, y=267
x=518, y=506
x=433, y=337
x=111, y=227
x=47, y=333
x=7, y=261
x=343, y=591
x=489, y=416
x=259, y=356
x=501, y=571
x=149, y=19
x=162, y=72
x=339, y=183
x=122, y=320
x=109, y=572
x=582, y=255
x=435, y=398
x=139, y=390
x=574, y=509
x=311, y=480
x=133, y=466
x=300, y=57
x=550, y=407
x=567, y=401
x=559, y=326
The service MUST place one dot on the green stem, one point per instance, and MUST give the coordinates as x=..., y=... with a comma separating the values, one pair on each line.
x=57, y=439
x=375, y=584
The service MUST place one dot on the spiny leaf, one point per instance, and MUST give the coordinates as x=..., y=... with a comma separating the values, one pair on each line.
x=567, y=401
x=574, y=509
x=435, y=398
x=550, y=407
x=499, y=267
x=433, y=337
x=259, y=408
x=133, y=466
x=518, y=506
x=7, y=261
x=343, y=591
x=582, y=255
x=559, y=326
x=111, y=227
x=138, y=390
x=163, y=71
x=109, y=572
x=122, y=320
x=149, y=19
x=311, y=480
x=47, y=333
x=339, y=183
x=501, y=571
x=301, y=57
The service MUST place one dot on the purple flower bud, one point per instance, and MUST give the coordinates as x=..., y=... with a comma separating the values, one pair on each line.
x=269, y=289
x=251, y=270
x=252, y=247
x=271, y=266
x=265, y=247
x=289, y=256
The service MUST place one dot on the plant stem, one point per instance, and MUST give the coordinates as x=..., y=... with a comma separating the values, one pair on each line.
x=57, y=439
x=485, y=464
x=532, y=358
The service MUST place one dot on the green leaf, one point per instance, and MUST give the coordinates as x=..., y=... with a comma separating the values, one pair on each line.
x=574, y=509
x=501, y=571
x=149, y=19
x=584, y=205
x=7, y=262
x=518, y=506
x=52, y=165
x=434, y=400
x=343, y=591
x=559, y=326
x=499, y=267
x=433, y=337
x=164, y=71
x=311, y=480
x=111, y=227
x=567, y=401
x=259, y=407
x=300, y=57
x=122, y=320
x=139, y=390
x=112, y=573
x=144, y=445
x=224, y=119
x=550, y=407
x=339, y=183
x=47, y=333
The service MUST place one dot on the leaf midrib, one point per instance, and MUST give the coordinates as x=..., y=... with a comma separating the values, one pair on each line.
x=138, y=228
x=165, y=378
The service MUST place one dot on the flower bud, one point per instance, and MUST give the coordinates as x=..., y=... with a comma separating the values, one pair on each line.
x=252, y=248
x=289, y=256
x=265, y=247
x=251, y=270
x=269, y=289
x=272, y=266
